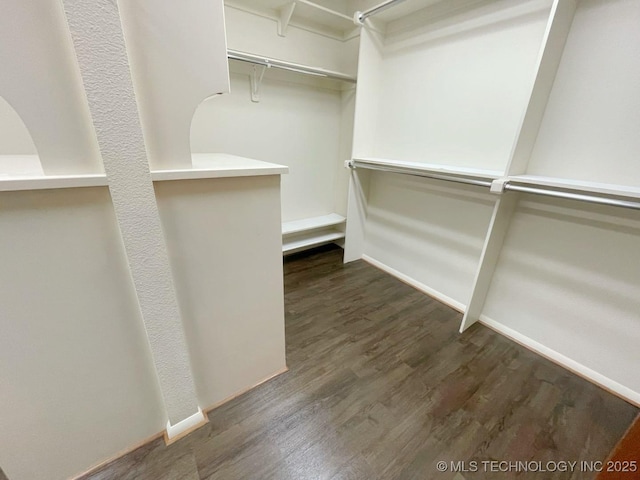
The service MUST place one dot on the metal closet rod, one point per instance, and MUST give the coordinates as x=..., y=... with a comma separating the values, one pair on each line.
x=421, y=173
x=292, y=67
x=612, y=202
x=377, y=9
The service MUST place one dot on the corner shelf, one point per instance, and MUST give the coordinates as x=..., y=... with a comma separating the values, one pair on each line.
x=311, y=232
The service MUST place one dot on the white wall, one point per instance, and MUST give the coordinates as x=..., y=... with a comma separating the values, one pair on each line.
x=591, y=123
x=78, y=383
x=18, y=154
x=454, y=94
x=178, y=58
x=430, y=231
x=225, y=244
x=294, y=125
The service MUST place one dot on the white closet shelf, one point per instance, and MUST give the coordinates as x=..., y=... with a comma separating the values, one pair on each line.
x=300, y=243
x=311, y=232
x=314, y=223
x=312, y=12
x=220, y=165
x=482, y=174
x=305, y=14
x=386, y=12
x=576, y=185
x=205, y=165
x=14, y=183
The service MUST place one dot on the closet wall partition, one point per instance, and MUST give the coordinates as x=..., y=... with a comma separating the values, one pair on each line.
x=538, y=99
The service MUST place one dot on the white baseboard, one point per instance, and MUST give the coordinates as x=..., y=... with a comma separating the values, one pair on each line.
x=579, y=369
x=441, y=297
x=184, y=427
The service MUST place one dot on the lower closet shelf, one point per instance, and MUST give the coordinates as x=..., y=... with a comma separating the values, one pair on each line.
x=311, y=232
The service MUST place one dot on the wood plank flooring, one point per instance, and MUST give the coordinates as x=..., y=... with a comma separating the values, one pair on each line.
x=382, y=386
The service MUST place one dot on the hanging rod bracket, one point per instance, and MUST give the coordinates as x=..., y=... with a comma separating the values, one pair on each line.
x=256, y=81
x=358, y=19
x=499, y=185
x=349, y=164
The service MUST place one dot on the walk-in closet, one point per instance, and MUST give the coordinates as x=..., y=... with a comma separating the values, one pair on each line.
x=319, y=239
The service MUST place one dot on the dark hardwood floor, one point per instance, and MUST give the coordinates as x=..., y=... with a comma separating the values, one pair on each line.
x=382, y=386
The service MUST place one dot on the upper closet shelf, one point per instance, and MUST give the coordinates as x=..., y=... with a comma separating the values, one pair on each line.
x=292, y=67
x=473, y=176
x=311, y=12
x=220, y=165
x=306, y=14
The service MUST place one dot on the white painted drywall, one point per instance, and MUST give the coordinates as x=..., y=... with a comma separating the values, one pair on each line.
x=591, y=123
x=293, y=124
x=225, y=247
x=178, y=58
x=18, y=154
x=430, y=231
x=453, y=91
x=107, y=80
x=568, y=278
x=14, y=136
x=78, y=382
x=40, y=80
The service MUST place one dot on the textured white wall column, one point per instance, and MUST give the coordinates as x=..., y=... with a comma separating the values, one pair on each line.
x=99, y=43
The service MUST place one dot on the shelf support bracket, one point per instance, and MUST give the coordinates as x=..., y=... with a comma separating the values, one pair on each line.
x=286, y=13
x=256, y=81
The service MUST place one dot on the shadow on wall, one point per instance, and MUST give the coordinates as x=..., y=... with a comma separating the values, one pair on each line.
x=18, y=153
